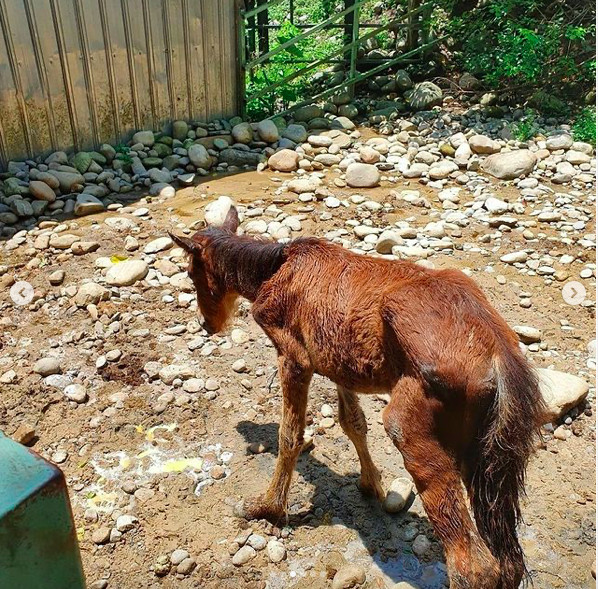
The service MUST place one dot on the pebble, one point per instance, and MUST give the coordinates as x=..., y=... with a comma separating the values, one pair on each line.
x=186, y=566
x=421, y=546
x=47, y=366
x=244, y=555
x=276, y=551
x=56, y=277
x=76, y=393
x=178, y=556
x=124, y=523
x=349, y=576
x=257, y=542
x=527, y=334
x=101, y=535
x=398, y=495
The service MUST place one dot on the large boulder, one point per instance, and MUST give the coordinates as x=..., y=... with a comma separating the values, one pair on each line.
x=241, y=157
x=86, y=204
x=268, y=131
x=285, y=160
x=307, y=113
x=362, y=176
x=561, y=391
x=199, y=156
x=424, y=96
x=68, y=180
x=41, y=191
x=483, y=144
x=243, y=133
x=560, y=141
x=510, y=164
x=295, y=133
x=146, y=138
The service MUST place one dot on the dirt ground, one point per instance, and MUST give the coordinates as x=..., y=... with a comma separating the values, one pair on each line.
x=125, y=446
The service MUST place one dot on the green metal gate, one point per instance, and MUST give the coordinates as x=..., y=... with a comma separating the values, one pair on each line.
x=280, y=63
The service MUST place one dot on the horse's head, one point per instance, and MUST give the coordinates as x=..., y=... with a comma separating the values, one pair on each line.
x=214, y=301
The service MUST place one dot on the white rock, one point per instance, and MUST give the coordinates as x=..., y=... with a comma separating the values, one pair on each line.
x=442, y=169
x=397, y=496
x=124, y=523
x=514, y=257
x=168, y=374
x=126, y=273
x=561, y=391
x=495, y=205
x=387, y=240
x=362, y=176
x=483, y=144
x=509, y=165
x=244, y=555
x=217, y=210
x=76, y=392
x=527, y=334
x=276, y=551
x=560, y=141
x=158, y=245
x=47, y=366
x=257, y=542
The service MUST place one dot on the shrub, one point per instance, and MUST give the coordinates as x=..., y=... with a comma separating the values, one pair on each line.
x=525, y=44
x=584, y=127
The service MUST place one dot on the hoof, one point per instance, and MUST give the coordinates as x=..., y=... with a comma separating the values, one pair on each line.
x=370, y=489
x=259, y=508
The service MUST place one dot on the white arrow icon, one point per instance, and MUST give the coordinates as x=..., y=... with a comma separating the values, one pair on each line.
x=574, y=293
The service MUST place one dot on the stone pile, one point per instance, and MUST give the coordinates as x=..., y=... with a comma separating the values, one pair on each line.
x=431, y=145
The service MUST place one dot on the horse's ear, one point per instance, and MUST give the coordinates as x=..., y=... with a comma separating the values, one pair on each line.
x=188, y=244
x=231, y=223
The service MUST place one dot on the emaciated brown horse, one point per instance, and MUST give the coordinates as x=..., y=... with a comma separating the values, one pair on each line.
x=464, y=405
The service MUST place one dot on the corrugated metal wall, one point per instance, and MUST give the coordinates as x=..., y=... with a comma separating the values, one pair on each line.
x=76, y=73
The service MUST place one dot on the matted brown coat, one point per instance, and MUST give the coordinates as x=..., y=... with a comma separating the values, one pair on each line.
x=465, y=404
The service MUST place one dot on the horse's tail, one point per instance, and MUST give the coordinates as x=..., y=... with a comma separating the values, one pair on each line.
x=503, y=446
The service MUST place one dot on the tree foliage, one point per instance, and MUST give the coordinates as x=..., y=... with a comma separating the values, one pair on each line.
x=529, y=44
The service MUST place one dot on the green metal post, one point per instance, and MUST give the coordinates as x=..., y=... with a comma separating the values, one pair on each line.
x=242, y=57
x=38, y=540
x=354, y=47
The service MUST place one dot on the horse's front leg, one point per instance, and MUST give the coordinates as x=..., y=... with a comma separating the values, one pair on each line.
x=294, y=380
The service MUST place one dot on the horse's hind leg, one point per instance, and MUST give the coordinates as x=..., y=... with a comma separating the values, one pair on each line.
x=413, y=420
x=353, y=422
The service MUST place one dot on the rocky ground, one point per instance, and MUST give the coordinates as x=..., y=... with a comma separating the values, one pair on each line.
x=160, y=430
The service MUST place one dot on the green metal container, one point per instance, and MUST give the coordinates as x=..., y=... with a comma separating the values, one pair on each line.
x=38, y=541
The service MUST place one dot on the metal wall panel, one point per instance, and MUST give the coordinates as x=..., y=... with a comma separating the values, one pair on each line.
x=76, y=73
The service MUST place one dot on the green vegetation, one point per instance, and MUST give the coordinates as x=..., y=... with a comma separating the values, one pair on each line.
x=284, y=64
x=526, y=128
x=525, y=44
x=536, y=53
x=584, y=127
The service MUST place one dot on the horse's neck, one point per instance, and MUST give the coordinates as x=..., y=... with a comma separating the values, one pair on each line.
x=245, y=264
